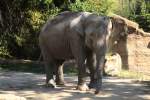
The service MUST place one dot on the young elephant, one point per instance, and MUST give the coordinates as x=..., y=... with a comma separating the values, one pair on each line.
x=81, y=36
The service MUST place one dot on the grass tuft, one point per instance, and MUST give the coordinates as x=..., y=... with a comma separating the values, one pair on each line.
x=134, y=75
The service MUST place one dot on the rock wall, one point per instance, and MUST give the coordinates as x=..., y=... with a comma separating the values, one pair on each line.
x=135, y=53
x=138, y=53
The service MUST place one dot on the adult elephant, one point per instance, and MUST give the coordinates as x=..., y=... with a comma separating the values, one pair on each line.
x=82, y=36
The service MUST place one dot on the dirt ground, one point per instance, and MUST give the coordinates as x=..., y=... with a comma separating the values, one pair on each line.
x=29, y=86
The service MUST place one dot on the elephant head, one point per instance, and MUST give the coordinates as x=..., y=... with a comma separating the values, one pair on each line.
x=95, y=29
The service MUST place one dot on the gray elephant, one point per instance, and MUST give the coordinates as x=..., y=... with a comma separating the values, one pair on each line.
x=82, y=36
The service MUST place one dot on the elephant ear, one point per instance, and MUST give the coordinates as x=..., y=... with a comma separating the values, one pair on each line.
x=76, y=25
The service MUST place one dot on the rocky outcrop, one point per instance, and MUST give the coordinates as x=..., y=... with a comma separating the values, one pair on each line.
x=113, y=64
x=138, y=53
x=134, y=49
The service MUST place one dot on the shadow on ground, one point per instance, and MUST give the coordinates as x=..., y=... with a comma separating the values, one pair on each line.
x=31, y=86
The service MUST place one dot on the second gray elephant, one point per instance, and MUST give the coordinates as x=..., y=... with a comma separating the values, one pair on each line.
x=82, y=36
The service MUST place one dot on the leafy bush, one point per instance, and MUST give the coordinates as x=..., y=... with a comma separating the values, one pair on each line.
x=143, y=20
x=101, y=7
x=20, y=26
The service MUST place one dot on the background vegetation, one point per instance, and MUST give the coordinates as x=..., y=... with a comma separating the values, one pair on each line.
x=21, y=20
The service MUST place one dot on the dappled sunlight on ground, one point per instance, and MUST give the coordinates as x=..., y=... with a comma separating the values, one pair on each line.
x=31, y=86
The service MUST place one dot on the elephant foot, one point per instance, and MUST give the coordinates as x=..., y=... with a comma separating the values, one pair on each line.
x=60, y=83
x=51, y=84
x=83, y=87
x=92, y=85
x=97, y=92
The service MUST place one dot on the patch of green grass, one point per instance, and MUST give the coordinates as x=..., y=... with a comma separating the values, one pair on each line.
x=134, y=75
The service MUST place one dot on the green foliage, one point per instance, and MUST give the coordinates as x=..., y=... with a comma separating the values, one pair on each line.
x=143, y=20
x=143, y=7
x=137, y=10
x=4, y=53
x=22, y=21
x=101, y=7
x=134, y=75
x=141, y=14
x=35, y=19
x=126, y=7
x=47, y=1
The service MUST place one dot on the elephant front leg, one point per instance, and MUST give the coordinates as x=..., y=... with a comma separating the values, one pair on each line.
x=82, y=78
x=91, y=64
x=99, y=73
x=79, y=53
x=95, y=63
x=49, y=66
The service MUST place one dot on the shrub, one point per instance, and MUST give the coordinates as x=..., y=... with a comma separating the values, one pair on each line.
x=143, y=20
x=101, y=7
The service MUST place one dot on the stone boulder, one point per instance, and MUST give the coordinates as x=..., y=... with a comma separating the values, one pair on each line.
x=113, y=64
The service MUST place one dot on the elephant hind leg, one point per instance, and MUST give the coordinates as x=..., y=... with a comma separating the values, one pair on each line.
x=49, y=67
x=50, y=75
x=59, y=73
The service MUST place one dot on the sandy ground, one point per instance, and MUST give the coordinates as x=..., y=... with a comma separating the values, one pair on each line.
x=29, y=86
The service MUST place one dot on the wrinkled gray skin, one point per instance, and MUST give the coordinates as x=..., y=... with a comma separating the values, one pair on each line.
x=76, y=35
